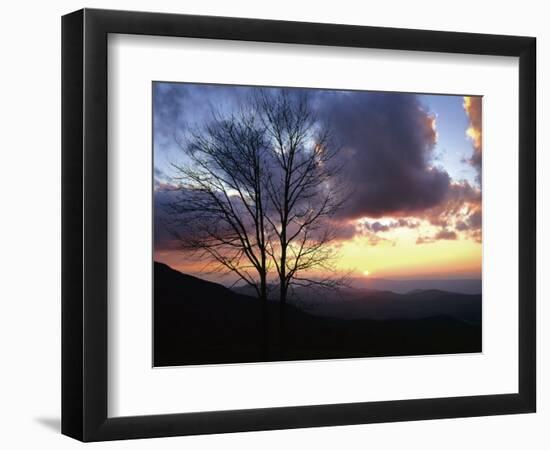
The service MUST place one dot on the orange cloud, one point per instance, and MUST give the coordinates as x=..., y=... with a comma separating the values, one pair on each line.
x=472, y=106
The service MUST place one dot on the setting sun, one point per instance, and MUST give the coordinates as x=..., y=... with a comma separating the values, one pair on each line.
x=366, y=273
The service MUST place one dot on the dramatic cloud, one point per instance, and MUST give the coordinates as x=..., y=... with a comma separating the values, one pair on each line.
x=378, y=227
x=441, y=235
x=387, y=143
x=169, y=105
x=460, y=211
x=163, y=195
x=161, y=182
x=461, y=199
x=180, y=106
x=472, y=106
x=445, y=234
x=343, y=230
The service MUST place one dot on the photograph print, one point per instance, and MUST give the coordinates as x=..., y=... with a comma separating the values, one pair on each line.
x=300, y=224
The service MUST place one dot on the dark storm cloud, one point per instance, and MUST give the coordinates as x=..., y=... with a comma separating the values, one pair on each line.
x=462, y=204
x=387, y=141
x=474, y=220
x=471, y=226
x=180, y=106
x=342, y=230
x=171, y=226
x=386, y=138
x=163, y=195
x=169, y=105
x=167, y=221
x=461, y=226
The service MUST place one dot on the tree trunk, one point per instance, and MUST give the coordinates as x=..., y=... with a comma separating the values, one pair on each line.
x=282, y=316
x=265, y=317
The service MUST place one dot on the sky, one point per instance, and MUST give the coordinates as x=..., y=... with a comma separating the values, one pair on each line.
x=413, y=160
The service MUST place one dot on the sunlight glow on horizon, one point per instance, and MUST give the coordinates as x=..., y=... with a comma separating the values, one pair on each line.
x=397, y=257
x=406, y=258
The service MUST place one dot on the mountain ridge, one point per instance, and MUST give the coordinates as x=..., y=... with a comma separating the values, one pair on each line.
x=201, y=322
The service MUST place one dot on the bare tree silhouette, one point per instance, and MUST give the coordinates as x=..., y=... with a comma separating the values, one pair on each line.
x=220, y=214
x=258, y=190
x=302, y=191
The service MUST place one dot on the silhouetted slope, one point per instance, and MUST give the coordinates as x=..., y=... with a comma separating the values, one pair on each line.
x=194, y=318
x=199, y=322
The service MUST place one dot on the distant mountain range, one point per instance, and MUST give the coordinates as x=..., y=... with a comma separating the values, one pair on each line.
x=200, y=322
x=384, y=305
x=458, y=285
x=360, y=303
x=470, y=286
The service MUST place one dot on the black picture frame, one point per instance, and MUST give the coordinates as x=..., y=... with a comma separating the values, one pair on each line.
x=84, y=224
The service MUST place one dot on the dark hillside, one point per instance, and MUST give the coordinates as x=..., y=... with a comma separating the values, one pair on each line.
x=199, y=322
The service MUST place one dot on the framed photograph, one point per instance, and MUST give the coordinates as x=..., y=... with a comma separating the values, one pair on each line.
x=274, y=224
